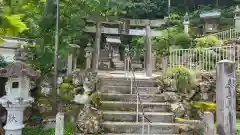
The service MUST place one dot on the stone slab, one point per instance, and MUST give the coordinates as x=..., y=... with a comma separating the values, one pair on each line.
x=132, y=97
x=132, y=106
x=127, y=82
x=131, y=127
x=119, y=116
x=127, y=90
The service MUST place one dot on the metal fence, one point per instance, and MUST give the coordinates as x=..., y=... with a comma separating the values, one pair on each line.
x=227, y=34
x=204, y=59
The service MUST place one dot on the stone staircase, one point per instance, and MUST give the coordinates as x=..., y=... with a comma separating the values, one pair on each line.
x=119, y=108
x=119, y=65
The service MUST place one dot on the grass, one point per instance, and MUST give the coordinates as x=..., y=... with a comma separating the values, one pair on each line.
x=68, y=130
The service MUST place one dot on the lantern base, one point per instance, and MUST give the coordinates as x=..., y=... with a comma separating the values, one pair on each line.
x=15, y=109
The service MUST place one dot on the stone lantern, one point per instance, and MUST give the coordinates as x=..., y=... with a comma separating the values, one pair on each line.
x=127, y=58
x=17, y=94
x=186, y=23
x=88, y=55
x=237, y=18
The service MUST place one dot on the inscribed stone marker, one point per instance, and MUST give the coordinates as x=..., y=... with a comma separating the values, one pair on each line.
x=226, y=97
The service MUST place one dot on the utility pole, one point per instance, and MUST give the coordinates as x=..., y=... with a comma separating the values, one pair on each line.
x=55, y=74
x=169, y=8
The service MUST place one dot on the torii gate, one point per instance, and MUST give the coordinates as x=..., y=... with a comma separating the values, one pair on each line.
x=125, y=29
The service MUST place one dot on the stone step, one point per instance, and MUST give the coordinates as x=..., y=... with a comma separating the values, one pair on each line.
x=131, y=116
x=138, y=134
x=136, y=128
x=132, y=97
x=127, y=90
x=127, y=82
x=132, y=106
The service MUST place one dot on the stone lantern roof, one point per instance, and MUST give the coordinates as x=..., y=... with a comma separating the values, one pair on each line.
x=18, y=69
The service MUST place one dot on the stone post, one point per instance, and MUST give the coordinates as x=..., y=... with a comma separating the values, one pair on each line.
x=164, y=63
x=154, y=58
x=186, y=24
x=226, y=98
x=237, y=18
x=59, y=129
x=208, y=119
x=148, y=58
x=70, y=63
x=88, y=55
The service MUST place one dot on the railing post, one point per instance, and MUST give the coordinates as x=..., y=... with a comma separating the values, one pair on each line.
x=131, y=85
x=137, y=107
x=143, y=126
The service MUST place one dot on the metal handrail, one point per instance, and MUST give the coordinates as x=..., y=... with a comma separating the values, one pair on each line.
x=133, y=80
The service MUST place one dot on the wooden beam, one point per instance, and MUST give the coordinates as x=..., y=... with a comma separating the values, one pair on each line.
x=115, y=31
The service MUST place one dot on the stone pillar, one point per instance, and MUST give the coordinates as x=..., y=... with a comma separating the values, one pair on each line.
x=69, y=63
x=96, y=47
x=237, y=18
x=186, y=24
x=148, y=57
x=15, y=115
x=208, y=119
x=226, y=98
x=88, y=55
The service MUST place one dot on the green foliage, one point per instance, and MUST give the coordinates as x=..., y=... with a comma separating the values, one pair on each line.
x=204, y=106
x=174, y=20
x=66, y=92
x=95, y=99
x=69, y=129
x=207, y=41
x=66, y=86
x=184, y=78
x=173, y=36
x=3, y=63
x=67, y=79
x=12, y=25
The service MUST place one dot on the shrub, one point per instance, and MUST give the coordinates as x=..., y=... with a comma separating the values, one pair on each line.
x=95, y=99
x=184, y=77
x=66, y=86
x=207, y=41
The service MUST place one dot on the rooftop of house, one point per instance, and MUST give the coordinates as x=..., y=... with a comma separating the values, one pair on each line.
x=210, y=14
